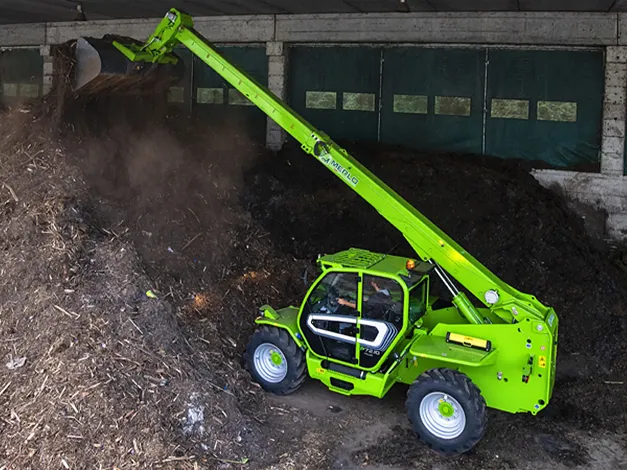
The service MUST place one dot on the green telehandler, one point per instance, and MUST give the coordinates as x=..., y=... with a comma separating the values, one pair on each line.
x=369, y=320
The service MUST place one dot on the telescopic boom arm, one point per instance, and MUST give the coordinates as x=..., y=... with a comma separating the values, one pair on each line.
x=430, y=243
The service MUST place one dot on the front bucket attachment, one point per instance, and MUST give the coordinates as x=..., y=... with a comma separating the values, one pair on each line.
x=101, y=68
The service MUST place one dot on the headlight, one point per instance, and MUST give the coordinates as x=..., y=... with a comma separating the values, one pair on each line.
x=491, y=297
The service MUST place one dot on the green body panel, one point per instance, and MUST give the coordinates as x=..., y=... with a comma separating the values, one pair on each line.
x=361, y=259
x=376, y=385
x=444, y=315
x=284, y=318
x=517, y=375
x=435, y=347
x=451, y=315
x=519, y=346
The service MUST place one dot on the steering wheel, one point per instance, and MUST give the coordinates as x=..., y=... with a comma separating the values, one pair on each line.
x=333, y=297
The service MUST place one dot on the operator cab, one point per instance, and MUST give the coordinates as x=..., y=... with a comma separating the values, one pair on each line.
x=362, y=306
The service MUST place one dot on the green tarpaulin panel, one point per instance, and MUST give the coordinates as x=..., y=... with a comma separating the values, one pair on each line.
x=180, y=94
x=433, y=98
x=545, y=105
x=217, y=101
x=21, y=74
x=336, y=89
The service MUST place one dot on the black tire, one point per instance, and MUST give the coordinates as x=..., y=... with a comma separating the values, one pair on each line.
x=459, y=387
x=294, y=357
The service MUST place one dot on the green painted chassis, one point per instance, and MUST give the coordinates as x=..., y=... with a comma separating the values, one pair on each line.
x=522, y=330
x=520, y=350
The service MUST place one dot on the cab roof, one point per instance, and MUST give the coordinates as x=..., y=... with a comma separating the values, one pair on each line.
x=358, y=259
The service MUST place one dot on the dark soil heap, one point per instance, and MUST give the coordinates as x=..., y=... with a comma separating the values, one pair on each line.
x=495, y=209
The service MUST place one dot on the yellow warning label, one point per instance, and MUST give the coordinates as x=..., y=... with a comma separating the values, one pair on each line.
x=320, y=370
x=542, y=362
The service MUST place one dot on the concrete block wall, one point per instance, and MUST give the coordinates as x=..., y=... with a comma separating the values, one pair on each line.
x=277, y=82
x=547, y=29
x=48, y=68
x=607, y=190
x=462, y=28
x=600, y=191
x=241, y=28
x=613, y=141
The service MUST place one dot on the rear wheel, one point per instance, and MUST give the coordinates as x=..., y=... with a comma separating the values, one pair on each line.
x=275, y=361
x=447, y=411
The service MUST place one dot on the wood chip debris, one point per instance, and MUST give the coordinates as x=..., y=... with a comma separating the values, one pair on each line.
x=4, y=389
x=13, y=195
x=65, y=312
x=16, y=363
x=191, y=241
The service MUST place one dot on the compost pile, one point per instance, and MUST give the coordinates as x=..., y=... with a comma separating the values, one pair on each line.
x=129, y=283
x=495, y=209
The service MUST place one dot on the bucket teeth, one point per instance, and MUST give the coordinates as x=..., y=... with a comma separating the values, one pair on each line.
x=101, y=68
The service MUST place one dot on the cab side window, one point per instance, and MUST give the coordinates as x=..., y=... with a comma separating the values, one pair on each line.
x=418, y=301
x=336, y=293
x=382, y=300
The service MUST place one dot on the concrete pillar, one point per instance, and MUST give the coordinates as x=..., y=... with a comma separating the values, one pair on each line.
x=277, y=80
x=48, y=69
x=613, y=137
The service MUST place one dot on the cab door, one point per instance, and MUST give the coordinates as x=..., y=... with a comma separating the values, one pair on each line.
x=381, y=320
x=330, y=316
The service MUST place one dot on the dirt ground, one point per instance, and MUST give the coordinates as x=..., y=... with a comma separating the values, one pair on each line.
x=136, y=248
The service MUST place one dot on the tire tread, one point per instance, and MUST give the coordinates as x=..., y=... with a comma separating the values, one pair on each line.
x=469, y=393
x=297, y=369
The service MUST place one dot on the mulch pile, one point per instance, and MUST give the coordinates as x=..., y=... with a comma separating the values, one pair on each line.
x=128, y=287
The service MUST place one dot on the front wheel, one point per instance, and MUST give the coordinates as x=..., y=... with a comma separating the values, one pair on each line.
x=447, y=411
x=275, y=361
